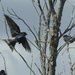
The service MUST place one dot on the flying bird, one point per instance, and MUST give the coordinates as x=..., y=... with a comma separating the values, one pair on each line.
x=69, y=39
x=17, y=35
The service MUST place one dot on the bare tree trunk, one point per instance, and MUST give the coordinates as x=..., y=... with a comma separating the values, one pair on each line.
x=53, y=48
x=47, y=13
x=48, y=35
x=55, y=37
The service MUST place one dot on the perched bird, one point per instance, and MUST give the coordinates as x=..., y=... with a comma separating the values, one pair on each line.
x=2, y=72
x=68, y=39
x=17, y=35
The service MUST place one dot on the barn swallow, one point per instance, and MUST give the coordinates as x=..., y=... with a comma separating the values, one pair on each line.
x=69, y=39
x=17, y=35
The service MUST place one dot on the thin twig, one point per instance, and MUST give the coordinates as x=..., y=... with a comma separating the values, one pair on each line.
x=35, y=7
x=70, y=26
x=2, y=8
x=24, y=61
x=5, y=20
x=63, y=64
x=70, y=63
x=60, y=49
x=66, y=30
x=38, y=68
x=46, y=5
x=70, y=3
x=6, y=29
x=35, y=30
x=31, y=64
x=40, y=7
x=4, y=63
x=33, y=44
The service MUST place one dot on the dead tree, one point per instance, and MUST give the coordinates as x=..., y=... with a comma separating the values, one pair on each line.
x=49, y=33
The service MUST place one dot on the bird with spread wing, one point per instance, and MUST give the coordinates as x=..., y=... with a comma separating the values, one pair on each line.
x=17, y=35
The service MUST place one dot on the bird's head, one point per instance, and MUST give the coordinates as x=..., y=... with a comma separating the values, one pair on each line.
x=65, y=36
x=24, y=33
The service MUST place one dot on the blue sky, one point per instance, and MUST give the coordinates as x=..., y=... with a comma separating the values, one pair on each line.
x=25, y=9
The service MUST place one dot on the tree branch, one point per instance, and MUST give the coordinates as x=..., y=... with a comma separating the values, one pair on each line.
x=38, y=68
x=42, y=13
x=60, y=9
x=4, y=62
x=52, y=7
x=24, y=61
x=70, y=62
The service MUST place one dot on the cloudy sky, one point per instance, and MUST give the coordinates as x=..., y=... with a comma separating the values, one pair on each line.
x=15, y=65
x=25, y=9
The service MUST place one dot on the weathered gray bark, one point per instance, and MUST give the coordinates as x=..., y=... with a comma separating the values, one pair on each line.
x=55, y=37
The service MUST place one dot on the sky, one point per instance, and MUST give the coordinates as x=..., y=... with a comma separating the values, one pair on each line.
x=25, y=10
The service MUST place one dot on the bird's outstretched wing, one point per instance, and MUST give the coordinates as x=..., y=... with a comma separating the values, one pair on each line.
x=14, y=28
x=25, y=44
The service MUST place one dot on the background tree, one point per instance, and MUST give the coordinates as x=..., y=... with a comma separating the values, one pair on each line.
x=49, y=32
x=48, y=35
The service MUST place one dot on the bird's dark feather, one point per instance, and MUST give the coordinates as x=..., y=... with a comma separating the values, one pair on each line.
x=10, y=43
x=25, y=44
x=2, y=72
x=14, y=28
